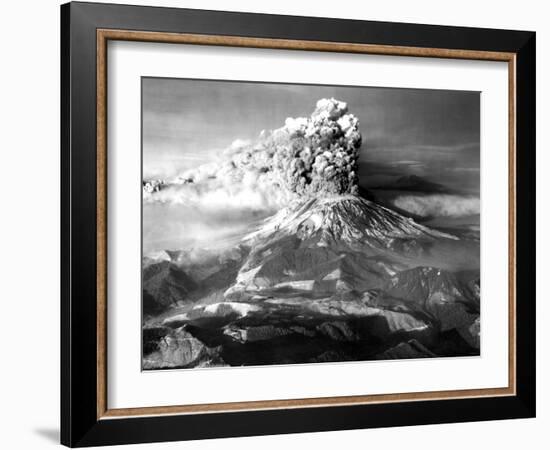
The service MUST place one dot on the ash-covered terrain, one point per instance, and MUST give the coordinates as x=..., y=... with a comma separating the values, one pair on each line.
x=332, y=274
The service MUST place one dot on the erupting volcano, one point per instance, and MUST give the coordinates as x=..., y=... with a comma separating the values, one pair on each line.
x=329, y=275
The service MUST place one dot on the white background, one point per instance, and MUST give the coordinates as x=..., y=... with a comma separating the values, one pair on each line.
x=29, y=387
x=128, y=387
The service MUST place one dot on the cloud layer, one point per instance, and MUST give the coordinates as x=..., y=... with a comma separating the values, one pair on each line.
x=438, y=205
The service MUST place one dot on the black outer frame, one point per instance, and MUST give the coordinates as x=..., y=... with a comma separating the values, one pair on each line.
x=79, y=423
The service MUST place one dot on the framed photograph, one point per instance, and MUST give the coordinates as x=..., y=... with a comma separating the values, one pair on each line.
x=276, y=224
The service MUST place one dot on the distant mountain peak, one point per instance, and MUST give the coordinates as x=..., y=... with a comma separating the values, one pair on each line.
x=414, y=183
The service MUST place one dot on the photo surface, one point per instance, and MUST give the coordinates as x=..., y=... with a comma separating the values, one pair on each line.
x=299, y=224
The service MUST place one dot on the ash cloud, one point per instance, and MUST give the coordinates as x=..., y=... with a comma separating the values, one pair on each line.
x=307, y=156
x=438, y=205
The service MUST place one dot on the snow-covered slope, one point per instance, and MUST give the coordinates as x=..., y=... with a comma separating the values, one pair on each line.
x=347, y=218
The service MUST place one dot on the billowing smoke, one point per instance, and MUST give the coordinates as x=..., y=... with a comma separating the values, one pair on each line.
x=318, y=154
x=438, y=205
x=307, y=156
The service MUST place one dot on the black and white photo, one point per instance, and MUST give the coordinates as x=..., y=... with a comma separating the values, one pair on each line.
x=298, y=224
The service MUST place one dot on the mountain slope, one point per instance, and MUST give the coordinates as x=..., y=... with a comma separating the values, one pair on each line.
x=332, y=244
x=164, y=285
x=332, y=279
x=347, y=218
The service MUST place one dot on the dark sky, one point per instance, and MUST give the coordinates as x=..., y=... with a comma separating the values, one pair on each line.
x=431, y=133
